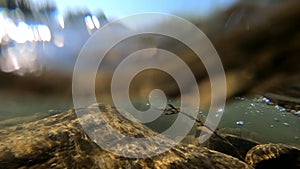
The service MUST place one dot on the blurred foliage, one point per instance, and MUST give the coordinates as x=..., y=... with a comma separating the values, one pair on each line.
x=47, y=7
x=30, y=8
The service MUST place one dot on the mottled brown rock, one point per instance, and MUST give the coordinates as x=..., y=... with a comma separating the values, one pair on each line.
x=230, y=144
x=274, y=156
x=60, y=142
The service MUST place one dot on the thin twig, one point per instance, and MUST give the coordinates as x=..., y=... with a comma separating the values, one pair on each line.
x=173, y=110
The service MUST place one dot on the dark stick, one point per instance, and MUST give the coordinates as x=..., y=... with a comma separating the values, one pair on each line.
x=175, y=110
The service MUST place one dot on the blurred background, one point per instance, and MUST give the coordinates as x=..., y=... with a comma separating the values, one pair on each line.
x=258, y=42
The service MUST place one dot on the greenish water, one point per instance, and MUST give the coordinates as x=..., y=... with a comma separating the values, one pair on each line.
x=18, y=108
x=250, y=118
x=256, y=119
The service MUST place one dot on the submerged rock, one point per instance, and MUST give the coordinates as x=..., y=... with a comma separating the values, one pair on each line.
x=230, y=144
x=60, y=142
x=274, y=156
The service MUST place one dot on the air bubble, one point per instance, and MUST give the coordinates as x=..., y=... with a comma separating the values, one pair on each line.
x=240, y=98
x=283, y=114
x=221, y=110
x=282, y=109
x=286, y=124
x=240, y=123
x=267, y=100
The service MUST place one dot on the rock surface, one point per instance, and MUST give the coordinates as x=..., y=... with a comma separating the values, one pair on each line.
x=231, y=145
x=60, y=142
x=274, y=156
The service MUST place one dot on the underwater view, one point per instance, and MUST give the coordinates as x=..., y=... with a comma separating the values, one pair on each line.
x=184, y=84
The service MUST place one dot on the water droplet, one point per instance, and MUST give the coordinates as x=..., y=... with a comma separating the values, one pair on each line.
x=240, y=98
x=267, y=100
x=259, y=99
x=276, y=119
x=282, y=109
x=271, y=125
x=286, y=124
x=201, y=114
x=252, y=104
x=220, y=110
x=240, y=123
x=296, y=138
x=283, y=114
